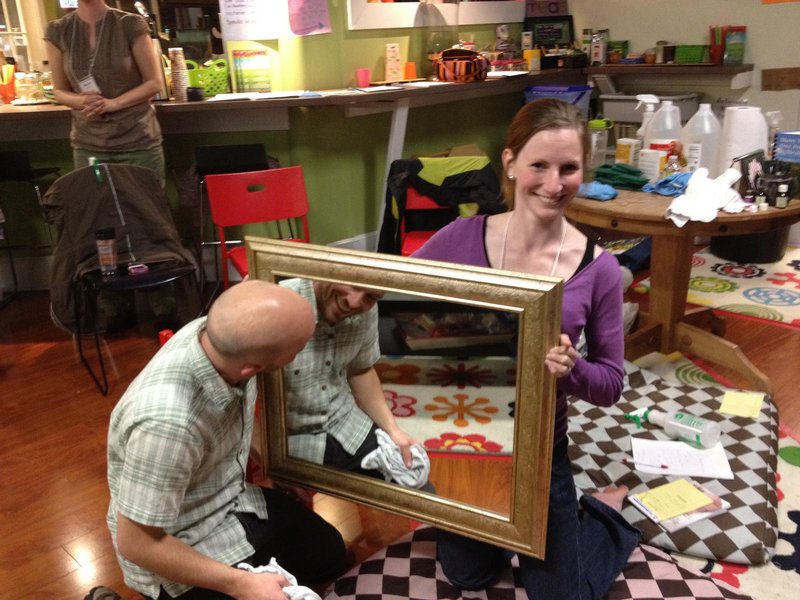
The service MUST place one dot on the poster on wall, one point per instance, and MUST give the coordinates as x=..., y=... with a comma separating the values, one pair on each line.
x=253, y=19
x=271, y=19
x=309, y=17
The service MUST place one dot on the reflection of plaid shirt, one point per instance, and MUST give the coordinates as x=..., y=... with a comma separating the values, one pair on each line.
x=319, y=400
x=178, y=444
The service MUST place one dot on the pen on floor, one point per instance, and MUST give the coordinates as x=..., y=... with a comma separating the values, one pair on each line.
x=630, y=461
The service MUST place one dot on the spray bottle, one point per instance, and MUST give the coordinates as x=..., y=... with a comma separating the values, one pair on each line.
x=650, y=102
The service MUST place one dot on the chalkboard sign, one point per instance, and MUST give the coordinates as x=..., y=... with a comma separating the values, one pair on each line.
x=551, y=31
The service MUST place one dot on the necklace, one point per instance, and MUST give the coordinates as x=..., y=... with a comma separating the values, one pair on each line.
x=558, y=252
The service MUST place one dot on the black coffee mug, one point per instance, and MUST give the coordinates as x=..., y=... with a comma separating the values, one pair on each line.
x=194, y=94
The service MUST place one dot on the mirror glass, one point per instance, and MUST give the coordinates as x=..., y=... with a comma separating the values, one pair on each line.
x=363, y=14
x=462, y=369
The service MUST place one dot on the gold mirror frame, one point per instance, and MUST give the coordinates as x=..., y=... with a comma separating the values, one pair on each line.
x=537, y=303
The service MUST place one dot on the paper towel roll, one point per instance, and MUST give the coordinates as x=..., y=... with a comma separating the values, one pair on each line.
x=744, y=130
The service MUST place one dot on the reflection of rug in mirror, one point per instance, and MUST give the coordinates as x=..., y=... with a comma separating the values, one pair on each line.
x=453, y=405
x=761, y=290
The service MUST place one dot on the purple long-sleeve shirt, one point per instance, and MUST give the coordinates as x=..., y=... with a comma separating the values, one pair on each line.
x=592, y=302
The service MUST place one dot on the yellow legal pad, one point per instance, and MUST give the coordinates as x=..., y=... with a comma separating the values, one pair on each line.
x=673, y=499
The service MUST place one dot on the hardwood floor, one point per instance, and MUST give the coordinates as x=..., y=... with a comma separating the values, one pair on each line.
x=53, y=493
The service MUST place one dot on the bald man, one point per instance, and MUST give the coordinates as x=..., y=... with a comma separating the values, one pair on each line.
x=181, y=513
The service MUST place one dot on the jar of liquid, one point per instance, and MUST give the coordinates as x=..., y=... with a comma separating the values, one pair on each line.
x=598, y=141
x=106, y=240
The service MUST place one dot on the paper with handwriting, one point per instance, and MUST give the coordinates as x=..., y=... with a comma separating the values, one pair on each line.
x=680, y=459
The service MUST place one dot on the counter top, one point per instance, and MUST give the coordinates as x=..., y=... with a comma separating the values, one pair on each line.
x=51, y=121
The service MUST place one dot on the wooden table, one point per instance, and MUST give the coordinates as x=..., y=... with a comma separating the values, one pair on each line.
x=668, y=327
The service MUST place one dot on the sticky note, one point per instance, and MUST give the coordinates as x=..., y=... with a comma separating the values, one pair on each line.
x=742, y=404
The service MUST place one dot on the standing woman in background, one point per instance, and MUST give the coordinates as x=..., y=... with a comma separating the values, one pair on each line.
x=106, y=70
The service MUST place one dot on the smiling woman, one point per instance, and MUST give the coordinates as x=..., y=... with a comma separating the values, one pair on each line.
x=536, y=304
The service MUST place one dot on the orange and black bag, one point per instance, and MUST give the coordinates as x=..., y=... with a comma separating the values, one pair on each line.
x=463, y=66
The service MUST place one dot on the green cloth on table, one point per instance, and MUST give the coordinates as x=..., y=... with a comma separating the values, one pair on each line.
x=621, y=176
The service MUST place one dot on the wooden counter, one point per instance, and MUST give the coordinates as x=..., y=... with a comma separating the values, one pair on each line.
x=49, y=121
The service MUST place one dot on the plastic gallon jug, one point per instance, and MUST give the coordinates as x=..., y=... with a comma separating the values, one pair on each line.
x=700, y=141
x=664, y=130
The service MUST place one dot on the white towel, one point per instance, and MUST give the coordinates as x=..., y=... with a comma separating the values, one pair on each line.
x=704, y=197
x=293, y=591
x=388, y=459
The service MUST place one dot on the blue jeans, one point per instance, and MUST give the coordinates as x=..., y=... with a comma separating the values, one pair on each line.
x=586, y=549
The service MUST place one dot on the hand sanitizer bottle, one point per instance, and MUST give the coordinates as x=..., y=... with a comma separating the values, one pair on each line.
x=693, y=430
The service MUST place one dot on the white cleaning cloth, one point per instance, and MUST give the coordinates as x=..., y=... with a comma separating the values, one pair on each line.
x=388, y=459
x=704, y=197
x=293, y=591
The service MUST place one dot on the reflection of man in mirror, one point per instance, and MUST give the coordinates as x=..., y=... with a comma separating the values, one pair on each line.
x=334, y=398
x=181, y=512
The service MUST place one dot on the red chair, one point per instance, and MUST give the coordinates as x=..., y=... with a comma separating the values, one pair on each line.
x=413, y=239
x=271, y=196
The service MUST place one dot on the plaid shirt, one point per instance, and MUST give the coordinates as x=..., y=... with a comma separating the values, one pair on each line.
x=178, y=444
x=319, y=400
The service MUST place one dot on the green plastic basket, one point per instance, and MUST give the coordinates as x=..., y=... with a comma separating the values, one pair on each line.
x=688, y=54
x=212, y=76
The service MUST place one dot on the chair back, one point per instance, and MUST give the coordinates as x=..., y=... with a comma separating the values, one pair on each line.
x=422, y=217
x=234, y=158
x=15, y=166
x=272, y=195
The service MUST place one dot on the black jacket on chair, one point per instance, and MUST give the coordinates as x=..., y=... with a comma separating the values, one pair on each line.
x=465, y=184
x=128, y=198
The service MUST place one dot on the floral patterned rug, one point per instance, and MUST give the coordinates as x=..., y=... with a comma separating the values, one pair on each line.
x=453, y=405
x=764, y=290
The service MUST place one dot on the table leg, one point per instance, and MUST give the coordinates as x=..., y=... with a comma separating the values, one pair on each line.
x=670, y=267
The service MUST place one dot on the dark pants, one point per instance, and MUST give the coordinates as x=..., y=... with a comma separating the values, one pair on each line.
x=337, y=456
x=637, y=257
x=301, y=541
x=586, y=549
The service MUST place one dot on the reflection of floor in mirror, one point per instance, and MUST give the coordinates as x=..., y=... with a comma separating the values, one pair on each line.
x=482, y=481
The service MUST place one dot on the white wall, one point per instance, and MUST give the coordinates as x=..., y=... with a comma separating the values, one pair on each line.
x=773, y=37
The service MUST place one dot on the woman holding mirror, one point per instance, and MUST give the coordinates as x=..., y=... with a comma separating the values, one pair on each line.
x=588, y=542
x=106, y=70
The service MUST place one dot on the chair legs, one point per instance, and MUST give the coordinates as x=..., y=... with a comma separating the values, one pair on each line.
x=81, y=291
x=7, y=298
x=85, y=298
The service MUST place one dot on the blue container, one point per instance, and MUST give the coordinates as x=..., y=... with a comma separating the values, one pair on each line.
x=574, y=94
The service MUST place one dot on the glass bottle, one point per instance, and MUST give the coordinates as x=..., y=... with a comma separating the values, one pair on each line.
x=782, y=199
x=672, y=166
